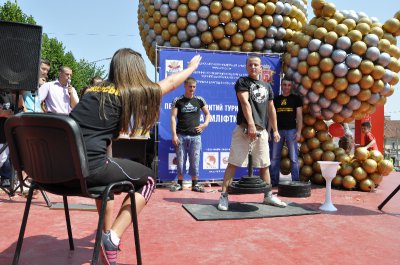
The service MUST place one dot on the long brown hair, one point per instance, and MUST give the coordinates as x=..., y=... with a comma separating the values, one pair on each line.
x=140, y=97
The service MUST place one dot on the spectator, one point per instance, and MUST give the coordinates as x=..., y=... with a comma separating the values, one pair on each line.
x=95, y=81
x=347, y=143
x=103, y=113
x=289, y=114
x=7, y=107
x=30, y=99
x=59, y=96
x=369, y=138
x=186, y=132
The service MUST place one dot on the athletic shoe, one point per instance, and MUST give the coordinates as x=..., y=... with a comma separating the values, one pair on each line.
x=274, y=201
x=198, y=188
x=223, y=204
x=108, y=251
x=175, y=187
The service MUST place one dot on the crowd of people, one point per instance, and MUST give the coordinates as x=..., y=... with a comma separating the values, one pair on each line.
x=128, y=102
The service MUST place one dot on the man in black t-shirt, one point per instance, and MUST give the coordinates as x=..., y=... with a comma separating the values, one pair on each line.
x=186, y=132
x=255, y=106
x=290, y=119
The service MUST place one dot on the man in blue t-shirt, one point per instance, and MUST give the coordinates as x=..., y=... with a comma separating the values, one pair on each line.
x=290, y=119
x=31, y=101
x=186, y=132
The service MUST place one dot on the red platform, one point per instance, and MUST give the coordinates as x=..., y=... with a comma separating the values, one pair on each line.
x=358, y=233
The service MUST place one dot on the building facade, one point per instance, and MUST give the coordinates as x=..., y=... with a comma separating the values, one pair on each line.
x=392, y=140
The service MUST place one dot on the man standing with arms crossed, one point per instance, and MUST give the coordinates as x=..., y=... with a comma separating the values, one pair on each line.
x=289, y=112
x=255, y=107
x=186, y=132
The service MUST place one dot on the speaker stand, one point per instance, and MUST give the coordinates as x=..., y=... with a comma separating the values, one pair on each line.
x=389, y=197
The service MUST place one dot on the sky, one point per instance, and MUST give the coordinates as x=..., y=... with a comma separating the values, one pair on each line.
x=94, y=29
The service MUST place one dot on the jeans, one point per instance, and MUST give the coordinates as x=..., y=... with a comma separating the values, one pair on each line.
x=5, y=164
x=290, y=137
x=188, y=146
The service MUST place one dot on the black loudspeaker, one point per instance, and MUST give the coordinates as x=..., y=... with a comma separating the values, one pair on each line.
x=20, y=46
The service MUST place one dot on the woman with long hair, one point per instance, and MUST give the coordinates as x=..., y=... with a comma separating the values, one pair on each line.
x=128, y=102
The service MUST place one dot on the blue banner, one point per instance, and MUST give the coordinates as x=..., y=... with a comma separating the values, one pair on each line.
x=216, y=77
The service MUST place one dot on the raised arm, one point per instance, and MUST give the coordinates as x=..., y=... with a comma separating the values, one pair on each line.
x=173, y=81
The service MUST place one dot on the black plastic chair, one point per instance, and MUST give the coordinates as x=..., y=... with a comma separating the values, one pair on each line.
x=50, y=149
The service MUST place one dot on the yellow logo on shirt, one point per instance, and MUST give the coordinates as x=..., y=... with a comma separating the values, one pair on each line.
x=104, y=89
x=284, y=102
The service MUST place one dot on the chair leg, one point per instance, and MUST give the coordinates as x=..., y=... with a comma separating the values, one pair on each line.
x=46, y=198
x=66, y=210
x=100, y=225
x=12, y=184
x=23, y=226
x=135, y=227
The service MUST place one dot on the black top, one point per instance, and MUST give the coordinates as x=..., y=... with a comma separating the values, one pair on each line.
x=6, y=103
x=188, y=117
x=286, y=111
x=97, y=130
x=259, y=94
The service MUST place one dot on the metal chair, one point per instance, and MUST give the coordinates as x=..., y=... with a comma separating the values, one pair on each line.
x=50, y=149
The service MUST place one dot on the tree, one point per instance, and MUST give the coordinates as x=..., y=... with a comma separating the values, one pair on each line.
x=54, y=50
x=82, y=70
x=12, y=12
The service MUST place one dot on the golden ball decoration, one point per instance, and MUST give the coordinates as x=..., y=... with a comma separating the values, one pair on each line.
x=237, y=39
x=230, y=28
x=236, y=13
x=247, y=46
x=225, y=16
x=243, y=24
x=345, y=58
x=218, y=33
x=194, y=4
x=216, y=7
x=343, y=63
x=228, y=4
x=234, y=24
x=206, y=37
x=182, y=10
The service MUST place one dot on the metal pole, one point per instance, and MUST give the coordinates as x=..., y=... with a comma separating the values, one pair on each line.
x=397, y=148
x=156, y=140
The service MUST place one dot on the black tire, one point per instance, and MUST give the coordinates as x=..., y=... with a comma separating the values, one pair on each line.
x=296, y=189
x=241, y=190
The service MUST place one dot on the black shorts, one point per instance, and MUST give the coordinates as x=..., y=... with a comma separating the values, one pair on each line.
x=118, y=169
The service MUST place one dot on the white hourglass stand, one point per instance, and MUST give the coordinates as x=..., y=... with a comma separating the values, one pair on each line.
x=329, y=170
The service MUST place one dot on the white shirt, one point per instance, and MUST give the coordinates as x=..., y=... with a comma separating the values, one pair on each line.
x=56, y=97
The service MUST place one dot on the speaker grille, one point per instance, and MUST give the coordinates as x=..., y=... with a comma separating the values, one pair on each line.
x=20, y=46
